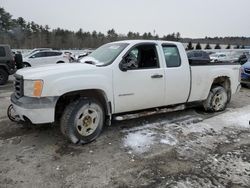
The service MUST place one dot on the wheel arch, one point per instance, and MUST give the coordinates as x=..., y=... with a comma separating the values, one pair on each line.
x=223, y=81
x=69, y=97
x=60, y=62
x=25, y=62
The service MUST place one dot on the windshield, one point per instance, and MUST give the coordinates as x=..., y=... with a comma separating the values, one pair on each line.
x=107, y=53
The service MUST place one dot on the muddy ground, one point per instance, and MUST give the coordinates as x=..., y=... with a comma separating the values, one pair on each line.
x=188, y=148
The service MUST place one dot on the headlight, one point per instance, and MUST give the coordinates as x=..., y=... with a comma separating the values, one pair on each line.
x=33, y=88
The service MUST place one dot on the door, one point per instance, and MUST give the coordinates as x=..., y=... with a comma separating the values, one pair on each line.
x=177, y=74
x=141, y=83
x=38, y=59
x=54, y=57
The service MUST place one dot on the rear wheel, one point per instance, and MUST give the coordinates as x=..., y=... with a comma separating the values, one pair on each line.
x=217, y=100
x=82, y=121
x=4, y=76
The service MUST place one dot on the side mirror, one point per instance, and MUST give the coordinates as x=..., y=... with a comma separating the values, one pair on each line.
x=123, y=66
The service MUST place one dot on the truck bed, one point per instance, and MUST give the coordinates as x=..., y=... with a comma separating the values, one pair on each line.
x=203, y=74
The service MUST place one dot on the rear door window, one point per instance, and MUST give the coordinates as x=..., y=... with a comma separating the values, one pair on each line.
x=172, y=56
x=2, y=52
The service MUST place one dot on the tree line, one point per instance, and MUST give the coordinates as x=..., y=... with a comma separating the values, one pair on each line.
x=19, y=33
x=208, y=47
x=22, y=34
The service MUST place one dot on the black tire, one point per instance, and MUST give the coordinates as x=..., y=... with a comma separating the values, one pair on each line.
x=26, y=64
x=77, y=123
x=4, y=76
x=217, y=100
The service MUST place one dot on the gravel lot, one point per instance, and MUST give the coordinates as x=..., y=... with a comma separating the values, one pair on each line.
x=182, y=149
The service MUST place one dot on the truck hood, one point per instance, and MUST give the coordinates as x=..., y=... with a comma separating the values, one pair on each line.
x=56, y=69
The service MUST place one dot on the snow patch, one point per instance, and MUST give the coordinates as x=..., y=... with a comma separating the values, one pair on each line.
x=140, y=141
x=169, y=140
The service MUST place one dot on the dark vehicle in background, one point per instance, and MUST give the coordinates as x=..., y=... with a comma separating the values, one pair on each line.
x=198, y=56
x=243, y=59
x=245, y=74
x=7, y=63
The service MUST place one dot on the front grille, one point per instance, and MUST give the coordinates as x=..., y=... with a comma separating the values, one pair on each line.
x=247, y=71
x=18, y=86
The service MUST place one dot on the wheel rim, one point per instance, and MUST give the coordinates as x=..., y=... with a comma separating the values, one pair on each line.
x=87, y=121
x=219, y=101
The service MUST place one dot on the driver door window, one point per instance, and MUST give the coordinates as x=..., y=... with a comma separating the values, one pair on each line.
x=142, y=57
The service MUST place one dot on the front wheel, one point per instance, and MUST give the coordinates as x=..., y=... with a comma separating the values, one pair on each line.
x=82, y=121
x=217, y=100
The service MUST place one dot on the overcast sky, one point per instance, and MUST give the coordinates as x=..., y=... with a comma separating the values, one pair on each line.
x=192, y=18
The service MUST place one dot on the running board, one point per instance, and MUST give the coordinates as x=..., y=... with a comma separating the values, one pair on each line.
x=148, y=113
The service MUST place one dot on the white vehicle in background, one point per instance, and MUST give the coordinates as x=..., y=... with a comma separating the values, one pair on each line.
x=220, y=56
x=44, y=57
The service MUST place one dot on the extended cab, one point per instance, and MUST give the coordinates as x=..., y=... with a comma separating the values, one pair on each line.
x=7, y=63
x=120, y=78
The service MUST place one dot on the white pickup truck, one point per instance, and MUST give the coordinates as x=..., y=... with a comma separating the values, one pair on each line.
x=120, y=78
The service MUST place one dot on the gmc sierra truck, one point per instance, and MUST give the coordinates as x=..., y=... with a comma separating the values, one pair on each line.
x=116, y=79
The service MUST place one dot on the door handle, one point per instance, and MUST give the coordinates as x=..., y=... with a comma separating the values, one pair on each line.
x=157, y=76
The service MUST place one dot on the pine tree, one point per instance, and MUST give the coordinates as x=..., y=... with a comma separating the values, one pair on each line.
x=217, y=46
x=198, y=46
x=208, y=47
x=228, y=46
x=190, y=46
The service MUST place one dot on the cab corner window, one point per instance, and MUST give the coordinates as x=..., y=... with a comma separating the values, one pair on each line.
x=172, y=56
x=142, y=57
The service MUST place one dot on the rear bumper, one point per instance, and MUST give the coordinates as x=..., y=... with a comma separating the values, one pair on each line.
x=35, y=110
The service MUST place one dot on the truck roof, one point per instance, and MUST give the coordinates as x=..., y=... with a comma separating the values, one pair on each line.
x=145, y=41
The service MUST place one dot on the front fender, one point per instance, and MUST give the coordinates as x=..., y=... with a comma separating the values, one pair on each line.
x=62, y=85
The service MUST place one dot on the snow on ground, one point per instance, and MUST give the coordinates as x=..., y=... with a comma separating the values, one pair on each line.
x=142, y=139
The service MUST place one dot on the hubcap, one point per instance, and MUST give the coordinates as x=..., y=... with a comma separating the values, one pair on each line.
x=219, y=101
x=87, y=121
